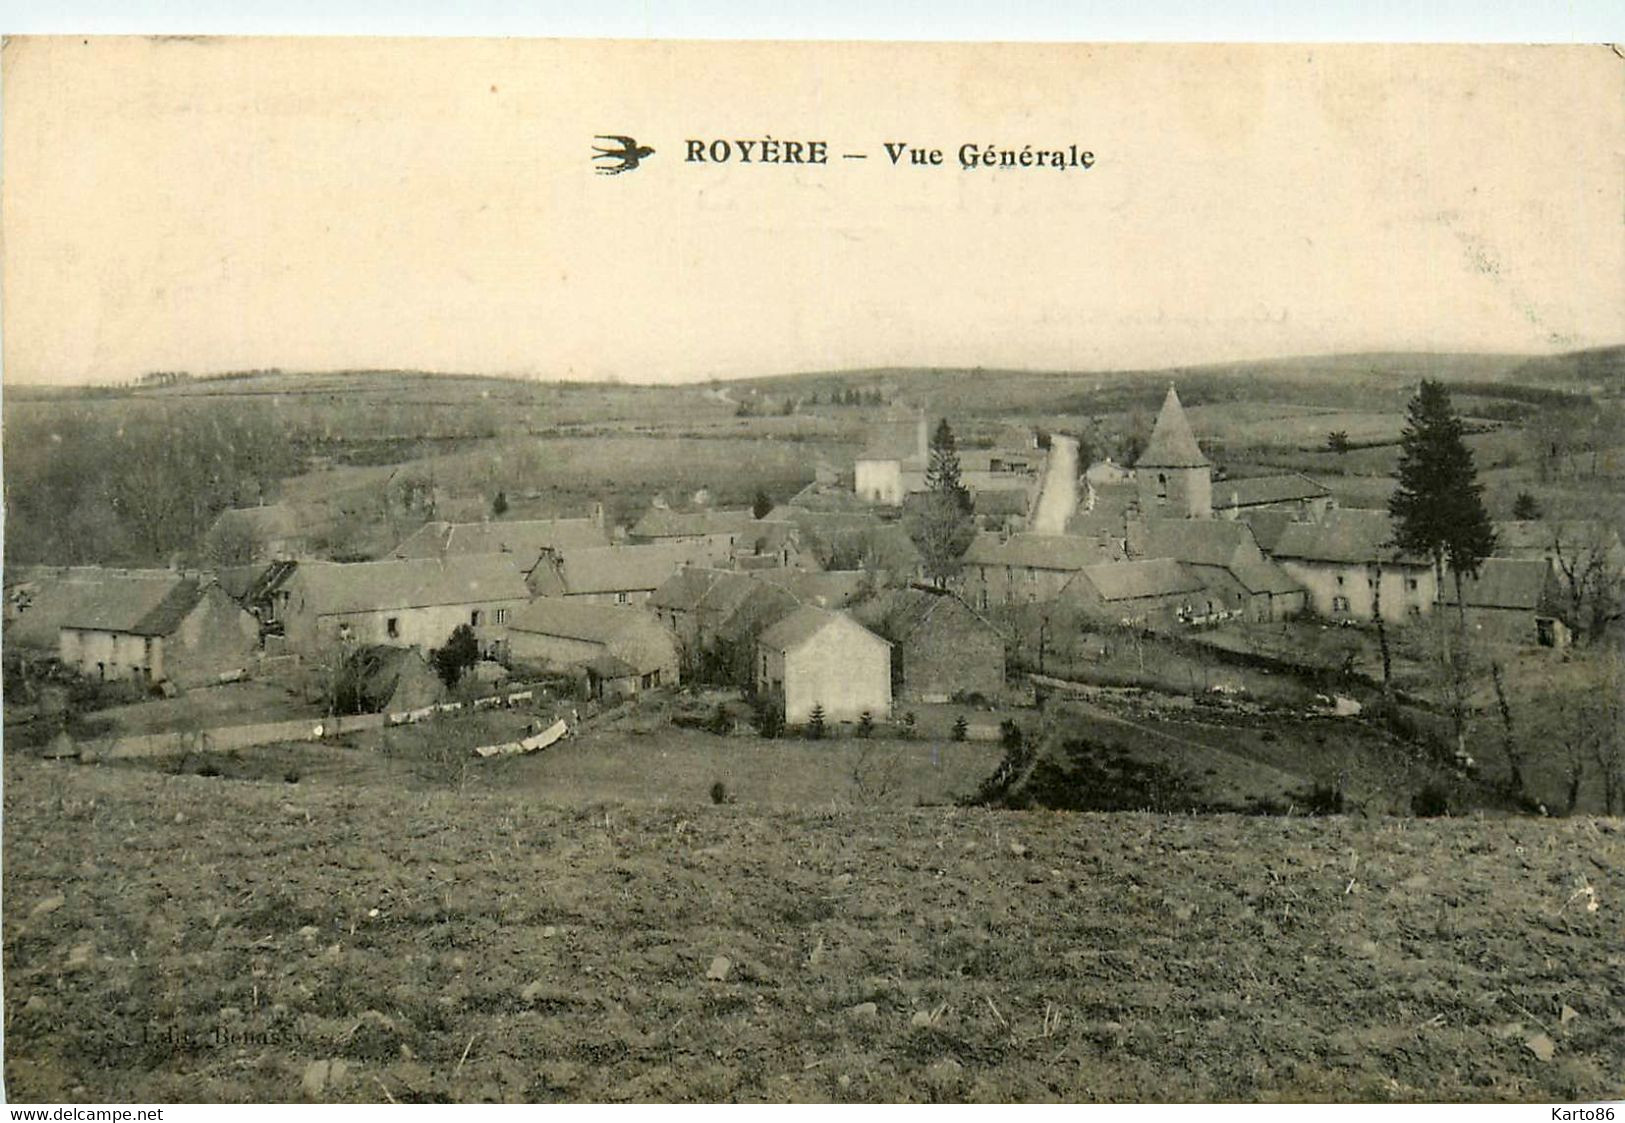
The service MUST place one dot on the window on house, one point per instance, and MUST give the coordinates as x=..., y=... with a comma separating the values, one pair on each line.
x=623, y=598
x=1339, y=580
x=393, y=627
x=1410, y=583
x=1340, y=604
x=476, y=618
x=1416, y=611
x=344, y=629
x=502, y=616
x=1162, y=487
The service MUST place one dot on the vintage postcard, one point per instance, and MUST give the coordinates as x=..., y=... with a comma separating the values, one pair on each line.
x=633, y=571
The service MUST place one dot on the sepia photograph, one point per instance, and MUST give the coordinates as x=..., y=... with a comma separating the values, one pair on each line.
x=635, y=571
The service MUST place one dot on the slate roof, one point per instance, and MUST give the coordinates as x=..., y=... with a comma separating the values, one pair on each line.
x=683, y=590
x=331, y=588
x=1502, y=583
x=523, y=537
x=894, y=614
x=801, y=625
x=1258, y=491
x=1200, y=541
x=595, y=623
x=1173, y=445
x=142, y=606
x=1264, y=576
x=1268, y=526
x=621, y=569
x=1349, y=535
x=1136, y=580
x=658, y=523
x=1038, y=551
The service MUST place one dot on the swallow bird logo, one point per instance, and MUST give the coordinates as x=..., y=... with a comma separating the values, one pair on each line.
x=629, y=153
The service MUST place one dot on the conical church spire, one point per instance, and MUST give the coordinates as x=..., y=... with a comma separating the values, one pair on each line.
x=1173, y=445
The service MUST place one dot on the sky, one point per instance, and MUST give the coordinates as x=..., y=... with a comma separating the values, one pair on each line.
x=208, y=205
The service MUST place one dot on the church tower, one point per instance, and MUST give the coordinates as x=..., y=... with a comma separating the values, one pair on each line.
x=1175, y=479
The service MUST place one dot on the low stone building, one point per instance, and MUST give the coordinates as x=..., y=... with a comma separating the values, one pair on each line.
x=1512, y=600
x=1348, y=562
x=154, y=629
x=1156, y=592
x=620, y=651
x=409, y=602
x=1226, y=557
x=823, y=659
x=613, y=575
x=523, y=538
x=941, y=648
x=999, y=570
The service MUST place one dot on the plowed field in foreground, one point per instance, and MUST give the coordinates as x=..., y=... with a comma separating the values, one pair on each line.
x=190, y=938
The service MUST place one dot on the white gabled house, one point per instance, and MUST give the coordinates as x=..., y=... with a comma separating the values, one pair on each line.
x=815, y=657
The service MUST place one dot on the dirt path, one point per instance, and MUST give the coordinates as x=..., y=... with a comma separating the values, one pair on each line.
x=1058, y=497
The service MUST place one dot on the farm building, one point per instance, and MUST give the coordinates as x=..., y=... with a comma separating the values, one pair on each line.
x=1024, y=568
x=249, y=535
x=262, y=590
x=815, y=657
x=406, y=602
x=940, y=647
x=614, y=575
x=709, y=536
x=155, y=629
x=894, y=448
x=1570, y=545
x=621, y=651
x=524, y=538
x=1348, y=562
x=717, y=614
x=1227, y=559
x=1297, y=495
x=1513, y=600
x=1174, y=479
x=1158, y=591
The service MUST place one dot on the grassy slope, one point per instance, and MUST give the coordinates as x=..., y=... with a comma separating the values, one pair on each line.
x=521, y=951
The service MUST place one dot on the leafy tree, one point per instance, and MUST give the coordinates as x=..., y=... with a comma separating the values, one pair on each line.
x=1337, y=441
x=1526, y=507
x=462, y=651
x=761, y=505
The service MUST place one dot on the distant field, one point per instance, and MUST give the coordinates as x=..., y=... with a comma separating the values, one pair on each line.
x=185, y=938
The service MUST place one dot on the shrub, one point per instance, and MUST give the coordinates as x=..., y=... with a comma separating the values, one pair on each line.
x=961, y=727
x=721, y=722
x=866, y=724
x=1431, y=801
x=1010, y=734
x=1323, y=799
x=291, y=776
x=909, y=722
x=719, y=793
x=208, y=769
x=769, y=718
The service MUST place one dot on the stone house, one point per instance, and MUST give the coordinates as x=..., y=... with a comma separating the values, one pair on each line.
x=621, y=651
x=940, y=647
x=613, y=575
x=1154, y=592
x=154, y=629
x=526, y=539
x=1226, y=557
x=1297, y=495
x=255, y=535
x=405, y=602
x=816, y=657
x=1348, y=561
x=1000, y=570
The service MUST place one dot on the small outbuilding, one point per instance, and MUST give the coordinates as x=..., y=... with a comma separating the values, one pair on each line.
x=815, y=657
